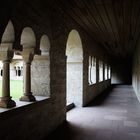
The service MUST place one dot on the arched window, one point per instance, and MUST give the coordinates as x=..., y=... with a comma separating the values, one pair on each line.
x=74, y=53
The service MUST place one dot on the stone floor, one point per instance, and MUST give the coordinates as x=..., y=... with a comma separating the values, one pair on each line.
x=113, y=116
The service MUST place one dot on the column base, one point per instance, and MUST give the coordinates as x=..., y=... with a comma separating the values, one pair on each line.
x=6, y=102
x=28, y=98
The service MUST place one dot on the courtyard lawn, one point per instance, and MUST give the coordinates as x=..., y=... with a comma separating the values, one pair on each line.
x=16, y=89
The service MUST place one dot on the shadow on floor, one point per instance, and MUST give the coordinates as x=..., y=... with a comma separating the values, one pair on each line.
x=99, y=100
x=104, y=118
x=63, y=131
x=67, y=129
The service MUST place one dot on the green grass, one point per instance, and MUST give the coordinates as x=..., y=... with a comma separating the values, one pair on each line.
x=16, y=89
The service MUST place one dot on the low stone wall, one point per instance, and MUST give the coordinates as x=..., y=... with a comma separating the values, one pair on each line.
x=32, y=121
x=96, y=89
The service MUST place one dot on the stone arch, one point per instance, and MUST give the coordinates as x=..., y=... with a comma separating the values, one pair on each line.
x=44, y=45
x=8, y=38
x=74, y=49
x=74, y=53
x=9, y=33
x=28, y=37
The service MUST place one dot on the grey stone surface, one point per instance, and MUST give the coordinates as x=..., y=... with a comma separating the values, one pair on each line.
x=104, y=119
x=41, y=77
x=114, y=117
x=130, y=123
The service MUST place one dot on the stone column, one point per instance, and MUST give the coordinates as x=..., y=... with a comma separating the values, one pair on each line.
x=27, y=54
x=6, y=54
x=90, y=72
x=97, y=70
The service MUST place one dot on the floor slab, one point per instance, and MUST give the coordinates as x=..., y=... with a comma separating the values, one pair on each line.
x=113, y=116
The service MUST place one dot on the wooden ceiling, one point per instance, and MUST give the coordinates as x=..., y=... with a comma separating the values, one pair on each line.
x=113, y=24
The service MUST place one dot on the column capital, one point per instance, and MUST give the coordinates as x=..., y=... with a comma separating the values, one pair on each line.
x=28, y=54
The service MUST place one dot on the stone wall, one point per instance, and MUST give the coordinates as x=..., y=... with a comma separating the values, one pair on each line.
x=40, y=76
x=96, y=89
x=93, y=49
x=32, y=121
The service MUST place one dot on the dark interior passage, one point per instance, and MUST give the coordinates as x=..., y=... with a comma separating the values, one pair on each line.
x=121, y=72
x=113, y=116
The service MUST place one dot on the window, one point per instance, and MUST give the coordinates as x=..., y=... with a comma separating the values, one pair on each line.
x=109, y=72
x=106, y=72
x=100, y=71
x=93, y=70
x=89, y=70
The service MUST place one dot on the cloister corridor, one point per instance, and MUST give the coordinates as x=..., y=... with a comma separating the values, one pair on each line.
x=113, y=116
x=77, y=65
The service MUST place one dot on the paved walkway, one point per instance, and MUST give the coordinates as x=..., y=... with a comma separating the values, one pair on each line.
x=113, y=116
